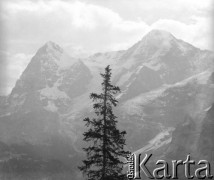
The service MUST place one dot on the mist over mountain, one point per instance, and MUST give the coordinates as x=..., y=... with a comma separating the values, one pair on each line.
x=167, y=86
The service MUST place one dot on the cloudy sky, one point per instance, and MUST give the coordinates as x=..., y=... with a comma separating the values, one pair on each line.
x=89, y=26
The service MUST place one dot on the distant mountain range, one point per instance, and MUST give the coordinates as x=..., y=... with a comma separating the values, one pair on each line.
x=167, y=88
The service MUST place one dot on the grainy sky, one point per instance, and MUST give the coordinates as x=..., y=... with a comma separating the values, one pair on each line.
x=89, y=26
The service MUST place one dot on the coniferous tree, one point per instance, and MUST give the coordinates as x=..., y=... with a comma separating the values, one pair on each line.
x=106, y=147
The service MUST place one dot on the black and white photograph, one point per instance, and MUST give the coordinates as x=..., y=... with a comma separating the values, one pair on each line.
x=106, y=89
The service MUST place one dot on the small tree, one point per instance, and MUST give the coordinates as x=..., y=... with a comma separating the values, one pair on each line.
x=106, y=141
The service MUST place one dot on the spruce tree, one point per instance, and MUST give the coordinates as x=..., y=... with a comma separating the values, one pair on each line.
x=106, y=149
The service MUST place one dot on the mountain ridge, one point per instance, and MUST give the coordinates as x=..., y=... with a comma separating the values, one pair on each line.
x=159, y=87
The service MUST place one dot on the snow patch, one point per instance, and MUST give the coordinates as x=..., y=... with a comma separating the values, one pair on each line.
x=4, y=115
x=158, y=141
x=51, y=107
x=153, y=65
x=200, y=78
x=52, y=93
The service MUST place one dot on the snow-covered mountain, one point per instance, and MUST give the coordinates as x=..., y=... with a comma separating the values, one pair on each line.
x=159, y=58
x=164, y=80
x=50, y=81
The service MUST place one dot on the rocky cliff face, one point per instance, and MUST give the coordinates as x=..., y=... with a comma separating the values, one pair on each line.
x=206, y=143
x=50, y=81
x=194, y=135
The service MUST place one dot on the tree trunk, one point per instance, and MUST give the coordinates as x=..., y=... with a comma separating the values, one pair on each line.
x=104, y=134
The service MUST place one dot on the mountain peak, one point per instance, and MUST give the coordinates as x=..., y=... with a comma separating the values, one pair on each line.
x=50, y=46
x=159, y=32
x=156, y=40
x=153, y=42
x=158, y=35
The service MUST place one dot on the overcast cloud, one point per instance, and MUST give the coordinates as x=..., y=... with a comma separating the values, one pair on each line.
x=90, y=26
